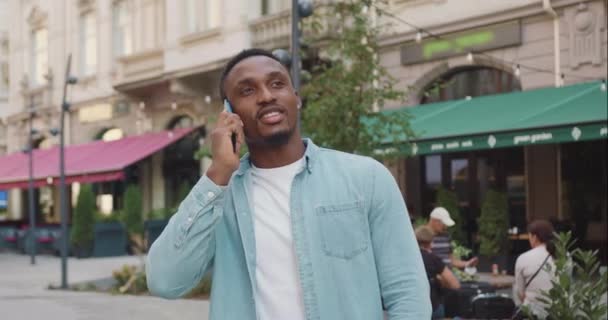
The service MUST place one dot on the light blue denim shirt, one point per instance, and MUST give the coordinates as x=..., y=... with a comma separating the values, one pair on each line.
x=354, y=244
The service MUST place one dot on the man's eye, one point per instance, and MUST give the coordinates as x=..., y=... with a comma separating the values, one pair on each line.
x=246, y=91
x=277, y=84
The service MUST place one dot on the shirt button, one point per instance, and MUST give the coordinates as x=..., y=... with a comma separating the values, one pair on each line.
x=190, y=219
x=210, y=194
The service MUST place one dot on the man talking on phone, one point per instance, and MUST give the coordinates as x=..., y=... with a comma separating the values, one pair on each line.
x=292, y=231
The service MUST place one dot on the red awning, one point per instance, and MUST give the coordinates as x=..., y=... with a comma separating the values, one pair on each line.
x=91, y=162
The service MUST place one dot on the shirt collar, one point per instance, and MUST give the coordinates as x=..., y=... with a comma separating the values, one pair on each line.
x=310, y=155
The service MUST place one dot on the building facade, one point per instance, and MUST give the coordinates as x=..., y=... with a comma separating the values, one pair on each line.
x=151, y=65
x=4, y=23
x=142, y=66
x=442, y=50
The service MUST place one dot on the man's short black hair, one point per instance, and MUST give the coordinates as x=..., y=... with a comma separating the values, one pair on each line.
x=240, y=57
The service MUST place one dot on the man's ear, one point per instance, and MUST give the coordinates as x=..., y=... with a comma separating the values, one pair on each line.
x=299, y=100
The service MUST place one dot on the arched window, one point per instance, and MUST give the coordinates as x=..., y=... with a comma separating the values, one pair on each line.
x=110, y=134
x=182, y=121
x=43, y=143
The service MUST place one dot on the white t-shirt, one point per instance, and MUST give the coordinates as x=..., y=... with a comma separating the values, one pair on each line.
x=279, y=294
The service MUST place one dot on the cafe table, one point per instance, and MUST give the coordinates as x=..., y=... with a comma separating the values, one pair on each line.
x=500, y=281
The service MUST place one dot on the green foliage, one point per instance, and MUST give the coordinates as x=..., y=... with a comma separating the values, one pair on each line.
x=494, y=224
x=449, y=200
x=132, y=212
x=420, y=221
x=347, y=86
x=81, y=234
x=162, y=213
x=114, y=216
x=183, y=191
x=579, y=290
x=130, y=280
x=459, y=251
x=463, y=276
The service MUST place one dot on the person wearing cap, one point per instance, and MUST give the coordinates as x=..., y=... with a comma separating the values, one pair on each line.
x=438, y=274
x=439, y=221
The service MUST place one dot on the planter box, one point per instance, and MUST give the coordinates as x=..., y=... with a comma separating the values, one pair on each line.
x=153, y=229
x=57, y=238
x=110, y=239
x=8, y=238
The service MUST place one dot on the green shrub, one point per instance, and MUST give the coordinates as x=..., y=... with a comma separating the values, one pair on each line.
x=579, y=289
x=132, y=212
x=81, y=234
x=182, y=192
x=448, y=199
x=420, y=221
x=114, y=216
x=494, y=224
x=157, y=214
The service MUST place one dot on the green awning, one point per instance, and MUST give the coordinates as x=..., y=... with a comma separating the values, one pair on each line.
x=550, y=115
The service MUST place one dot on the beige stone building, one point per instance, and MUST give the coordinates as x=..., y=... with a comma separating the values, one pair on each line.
x=151, y=65
x=142, y=66
x=3, y=73
x=449, y=53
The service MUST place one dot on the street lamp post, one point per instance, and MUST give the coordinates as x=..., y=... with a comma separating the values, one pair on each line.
x=32, y=212
x=65, y=106
x=299, y=9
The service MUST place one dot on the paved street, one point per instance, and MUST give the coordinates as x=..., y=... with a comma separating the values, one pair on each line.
x=24, y=294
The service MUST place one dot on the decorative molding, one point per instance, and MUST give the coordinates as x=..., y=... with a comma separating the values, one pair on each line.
x=200, y=36
x=585, y=24
x=37, y=18
x=85, y=6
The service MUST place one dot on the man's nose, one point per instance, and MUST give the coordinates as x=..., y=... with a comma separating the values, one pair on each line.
x=265, y=96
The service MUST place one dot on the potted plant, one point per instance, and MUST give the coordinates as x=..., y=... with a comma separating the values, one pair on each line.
x=493, y=230
x=81, y=233
x=110, y=236
x=155, y=224
x=133, y=219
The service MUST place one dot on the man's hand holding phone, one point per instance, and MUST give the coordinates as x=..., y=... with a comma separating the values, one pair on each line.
x=224, y=154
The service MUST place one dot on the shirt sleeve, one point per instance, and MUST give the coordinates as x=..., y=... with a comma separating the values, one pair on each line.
x=403, y=281
x=520, y=281
x=185, y=249
x=438, y=264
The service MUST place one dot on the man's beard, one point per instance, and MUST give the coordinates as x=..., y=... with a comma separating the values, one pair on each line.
x=276, y=140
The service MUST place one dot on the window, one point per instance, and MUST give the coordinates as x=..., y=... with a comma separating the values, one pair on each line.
x=274, y=6
x=121, y=29
x=88, y=44
x=202, y=15
x=112, y=134
x=40, y=57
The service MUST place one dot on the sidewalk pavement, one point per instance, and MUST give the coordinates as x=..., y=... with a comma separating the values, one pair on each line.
x=24, y=294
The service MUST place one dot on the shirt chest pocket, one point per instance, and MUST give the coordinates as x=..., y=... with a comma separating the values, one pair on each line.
x=344, y=229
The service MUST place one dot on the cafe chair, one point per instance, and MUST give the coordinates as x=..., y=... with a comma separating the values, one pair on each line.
x=492, y=306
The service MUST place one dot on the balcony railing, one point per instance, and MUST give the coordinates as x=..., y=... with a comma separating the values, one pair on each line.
x=140, y=66
x=274, y=31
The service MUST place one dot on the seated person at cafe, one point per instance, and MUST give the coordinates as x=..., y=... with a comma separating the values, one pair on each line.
x=531, y=275
x=439, y=275
x=439, y=221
